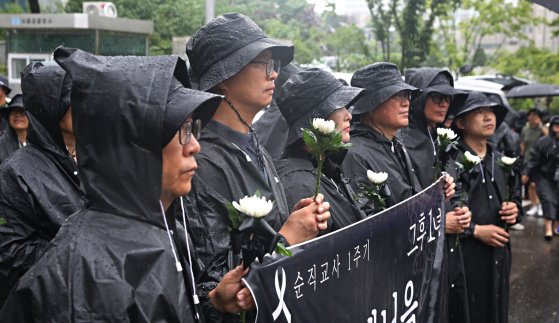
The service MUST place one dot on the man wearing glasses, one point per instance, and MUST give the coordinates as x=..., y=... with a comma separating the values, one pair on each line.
x=233, y=57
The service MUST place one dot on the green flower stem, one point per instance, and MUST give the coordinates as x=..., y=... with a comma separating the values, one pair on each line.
x=317, y=186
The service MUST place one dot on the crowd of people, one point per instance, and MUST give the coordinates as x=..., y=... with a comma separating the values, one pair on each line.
x=117, y=175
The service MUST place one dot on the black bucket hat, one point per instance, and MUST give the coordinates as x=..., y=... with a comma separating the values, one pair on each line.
x=380, y=81
x=478, y=100
x=5, y=84
x=16, y=102
x=221, y=48
x=312, y=93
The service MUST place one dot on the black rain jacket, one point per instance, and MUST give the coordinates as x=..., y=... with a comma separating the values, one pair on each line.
x=543, y=169
x=225, y=174
x=39, y=184
x=421, y=144
x=9, y=143
x=298, y=176
x=487, y=268
x=112, y=261
x=372, y=151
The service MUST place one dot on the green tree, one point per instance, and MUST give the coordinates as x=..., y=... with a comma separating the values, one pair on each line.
x=348, y=42
x=459, y=41
x=170, y=18
x=290, y=20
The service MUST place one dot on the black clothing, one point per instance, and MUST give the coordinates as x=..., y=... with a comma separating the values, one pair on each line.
x=381, y=81
x=543, y=169
x=271, y=128
x=487, y=268
x=272, y=131
x=372, y=151
x=221, y=48
x=226, y=173
x=112, y=261
x=39, y=183
x=9, y=142
x=298, y=176
x=421, y=144
x=506, y=140
x=312, y=93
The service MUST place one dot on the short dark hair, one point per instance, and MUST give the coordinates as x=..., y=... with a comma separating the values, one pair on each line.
x=537, y=111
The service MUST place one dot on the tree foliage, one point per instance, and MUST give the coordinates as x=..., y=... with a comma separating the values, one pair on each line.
x=462, y=39
x=170, y=18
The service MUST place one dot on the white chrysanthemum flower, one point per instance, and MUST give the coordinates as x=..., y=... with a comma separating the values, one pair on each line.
x=377, y=178
x=253, y=206
x=324, y=126
x=472, y=158
x=508, y=160
x=448, y=133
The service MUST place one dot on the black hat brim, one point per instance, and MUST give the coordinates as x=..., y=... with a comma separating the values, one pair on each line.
x=232, y=64
x=499, y=110
x=371, y=100
x=344, y=96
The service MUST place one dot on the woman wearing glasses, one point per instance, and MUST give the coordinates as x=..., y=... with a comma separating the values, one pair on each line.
x=428, y=111
x=233, y=57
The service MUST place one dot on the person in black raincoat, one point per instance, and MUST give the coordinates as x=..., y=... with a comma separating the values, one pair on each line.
x=310, y=94
x=382, y=110
x=4, y=92
x=271, y=127
x=16, y=135
x=543, y=169
x=485, y=245
x=232, y=56
x=428, y=111
x=116, y=260
x=39, y=184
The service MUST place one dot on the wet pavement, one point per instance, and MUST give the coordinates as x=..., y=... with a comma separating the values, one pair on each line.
x=534, y=288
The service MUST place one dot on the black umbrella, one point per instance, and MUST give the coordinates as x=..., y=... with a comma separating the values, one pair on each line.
x=549, y=4
x=533, y=91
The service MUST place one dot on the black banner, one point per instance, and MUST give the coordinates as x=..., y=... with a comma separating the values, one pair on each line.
x=385, y=268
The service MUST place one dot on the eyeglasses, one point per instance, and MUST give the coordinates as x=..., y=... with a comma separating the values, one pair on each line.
x=188, y=129
x=439, y=98
x=402, y=95
x=272, y=65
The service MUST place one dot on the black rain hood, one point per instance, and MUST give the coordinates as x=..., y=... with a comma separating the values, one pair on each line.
x=428, y=80
x=121, y=105
x=312, y=93
x=418, y=138
x=46, y=97
x=221, y=48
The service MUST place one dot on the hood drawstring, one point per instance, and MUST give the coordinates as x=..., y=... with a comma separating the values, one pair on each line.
x=194, y=292
x=482, y=173
x=251, y=130
x=432, y=142
x=177, y=262
x=492, y=167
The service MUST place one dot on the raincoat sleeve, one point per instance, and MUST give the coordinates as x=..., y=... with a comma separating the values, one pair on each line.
x=537, y=155
x=298, y=185
x=20, y=243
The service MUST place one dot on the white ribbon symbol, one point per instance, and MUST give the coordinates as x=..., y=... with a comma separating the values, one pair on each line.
x=280, y=291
